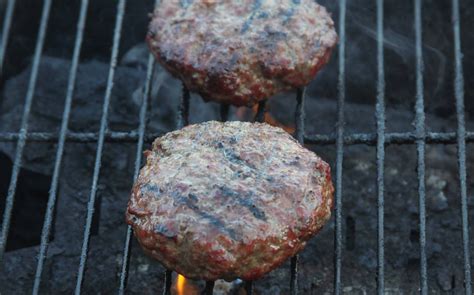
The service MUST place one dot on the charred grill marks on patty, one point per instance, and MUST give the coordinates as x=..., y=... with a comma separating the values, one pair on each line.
x=163, y=230
x=288, y=14
x=150, y=188
x=246, y=201
x=233, y=157
x=191, y=201
x=185, y=3
x=255, y=11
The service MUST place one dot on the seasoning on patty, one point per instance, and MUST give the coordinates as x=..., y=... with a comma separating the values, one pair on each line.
x=228, y=200
x=241, y=52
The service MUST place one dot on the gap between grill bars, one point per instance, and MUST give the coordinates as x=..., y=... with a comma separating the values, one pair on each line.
x=24, y=127
x=6, y=31
x=143, y=113
x=46, y=231
x=420, y=137
x=100, y=146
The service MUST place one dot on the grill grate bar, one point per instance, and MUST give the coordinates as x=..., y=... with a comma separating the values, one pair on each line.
x=80, y=137
x=299, y=135
x=209, y=289
x=24, y=127
x=224, y=112
x=300, y=115
x=390, y=138
x=249, y=288
x=321, y=139
x=380, y=117
x=420, y=146
x=260, y=115
x=168, y=282
x=294, y=275
x=183, y=113
x=340, y=147
x=46, y=231
x=6, y=31
x=100, y=145
x=461, y=139
x=138, y=161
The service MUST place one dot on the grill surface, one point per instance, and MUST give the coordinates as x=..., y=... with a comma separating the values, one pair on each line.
x=419, y=136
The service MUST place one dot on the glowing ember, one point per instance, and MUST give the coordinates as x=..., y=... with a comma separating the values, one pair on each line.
x=244, y=113
x=183, y=286
x=180, y=284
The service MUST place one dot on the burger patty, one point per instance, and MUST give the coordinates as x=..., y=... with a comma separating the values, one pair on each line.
x=228, y=200
x=241, y=52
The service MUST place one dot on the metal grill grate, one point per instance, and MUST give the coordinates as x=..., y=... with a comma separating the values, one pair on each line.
x=380, y=139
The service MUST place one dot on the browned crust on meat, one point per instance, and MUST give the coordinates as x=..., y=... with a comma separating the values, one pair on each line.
x=241, y=53
x=182, y=217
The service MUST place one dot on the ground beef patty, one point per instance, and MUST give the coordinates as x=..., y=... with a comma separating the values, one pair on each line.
x=241, y=52
x=228, y=200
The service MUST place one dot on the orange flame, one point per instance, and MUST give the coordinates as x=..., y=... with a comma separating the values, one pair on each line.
x=268, y=118
x=180, y=284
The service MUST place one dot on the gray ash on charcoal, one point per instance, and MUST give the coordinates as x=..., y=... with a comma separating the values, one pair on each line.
x=62, y=30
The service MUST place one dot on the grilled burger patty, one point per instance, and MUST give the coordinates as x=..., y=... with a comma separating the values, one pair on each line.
x=228, y=200
x=241, y=52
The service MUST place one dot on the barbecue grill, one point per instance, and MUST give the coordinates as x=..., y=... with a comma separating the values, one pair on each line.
x=419, y=136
